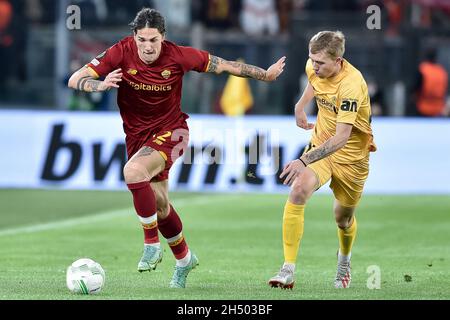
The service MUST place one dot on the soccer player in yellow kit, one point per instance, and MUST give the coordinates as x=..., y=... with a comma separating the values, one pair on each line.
x=339, y=150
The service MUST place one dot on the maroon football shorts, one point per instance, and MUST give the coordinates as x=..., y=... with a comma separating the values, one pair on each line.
x=170, y=143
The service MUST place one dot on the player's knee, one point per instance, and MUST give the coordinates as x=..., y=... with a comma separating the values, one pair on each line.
x=300, y=193
x=343, y=223
x=163, y=211
x=343, y=219
x=162, y=205
x=134, y=172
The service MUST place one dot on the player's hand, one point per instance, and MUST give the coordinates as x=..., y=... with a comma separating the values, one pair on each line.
x=302, y=120
x=291, y=171
x=111, y=80
x=275, y=70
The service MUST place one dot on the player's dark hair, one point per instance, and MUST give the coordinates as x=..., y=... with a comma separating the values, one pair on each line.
x=148, y=18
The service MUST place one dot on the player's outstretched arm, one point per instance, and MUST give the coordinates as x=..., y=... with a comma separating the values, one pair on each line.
x=218, y=65
x=85, y=80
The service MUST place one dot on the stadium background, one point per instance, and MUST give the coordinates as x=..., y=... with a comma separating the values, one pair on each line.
x=61, y=148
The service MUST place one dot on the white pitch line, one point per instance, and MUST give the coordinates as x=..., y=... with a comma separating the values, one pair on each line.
x=103, y=216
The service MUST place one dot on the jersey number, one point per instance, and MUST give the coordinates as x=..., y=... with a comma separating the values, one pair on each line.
x=349, y=106
x=162, y=138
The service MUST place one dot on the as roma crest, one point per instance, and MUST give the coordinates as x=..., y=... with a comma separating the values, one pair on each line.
x=166, y=74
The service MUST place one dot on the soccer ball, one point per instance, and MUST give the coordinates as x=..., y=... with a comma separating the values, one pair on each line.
x=85, y=276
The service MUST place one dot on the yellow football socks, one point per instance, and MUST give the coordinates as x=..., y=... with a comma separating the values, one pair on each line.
x=293, y=221
x=346, y=238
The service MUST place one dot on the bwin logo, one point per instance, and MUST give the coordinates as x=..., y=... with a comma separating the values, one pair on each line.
x=101, y=162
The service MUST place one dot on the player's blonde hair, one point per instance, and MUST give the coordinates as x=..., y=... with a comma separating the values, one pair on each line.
x=333, y=42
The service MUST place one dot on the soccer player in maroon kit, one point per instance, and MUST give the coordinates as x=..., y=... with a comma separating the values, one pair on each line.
x=148, y=72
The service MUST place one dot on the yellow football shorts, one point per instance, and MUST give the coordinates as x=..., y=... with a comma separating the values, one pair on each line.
x=347, y=180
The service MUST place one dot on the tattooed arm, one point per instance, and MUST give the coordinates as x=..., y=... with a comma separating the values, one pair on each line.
x=336, y=142
x=218, y=65
x=84, y=80
x=294, y=168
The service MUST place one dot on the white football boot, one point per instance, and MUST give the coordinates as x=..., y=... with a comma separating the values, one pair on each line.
x=343, y=274
x=284, y=279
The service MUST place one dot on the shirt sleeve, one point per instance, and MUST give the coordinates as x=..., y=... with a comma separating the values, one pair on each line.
x=350, y=99
x=193, y=59
x=107, y=61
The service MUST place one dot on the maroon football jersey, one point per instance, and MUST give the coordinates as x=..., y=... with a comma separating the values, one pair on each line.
x=149, y=97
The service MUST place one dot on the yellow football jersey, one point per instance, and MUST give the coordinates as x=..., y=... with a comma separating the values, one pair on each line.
x=343, y=98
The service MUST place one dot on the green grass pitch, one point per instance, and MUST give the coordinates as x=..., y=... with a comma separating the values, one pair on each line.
x=237, y=239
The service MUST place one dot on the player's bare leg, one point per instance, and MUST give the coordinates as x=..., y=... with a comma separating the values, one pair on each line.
x=138, y=172
x=293, y=221
x=347, y=227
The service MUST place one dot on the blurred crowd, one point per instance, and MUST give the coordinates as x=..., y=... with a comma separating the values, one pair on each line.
x=224, y=14
x=251, y=17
